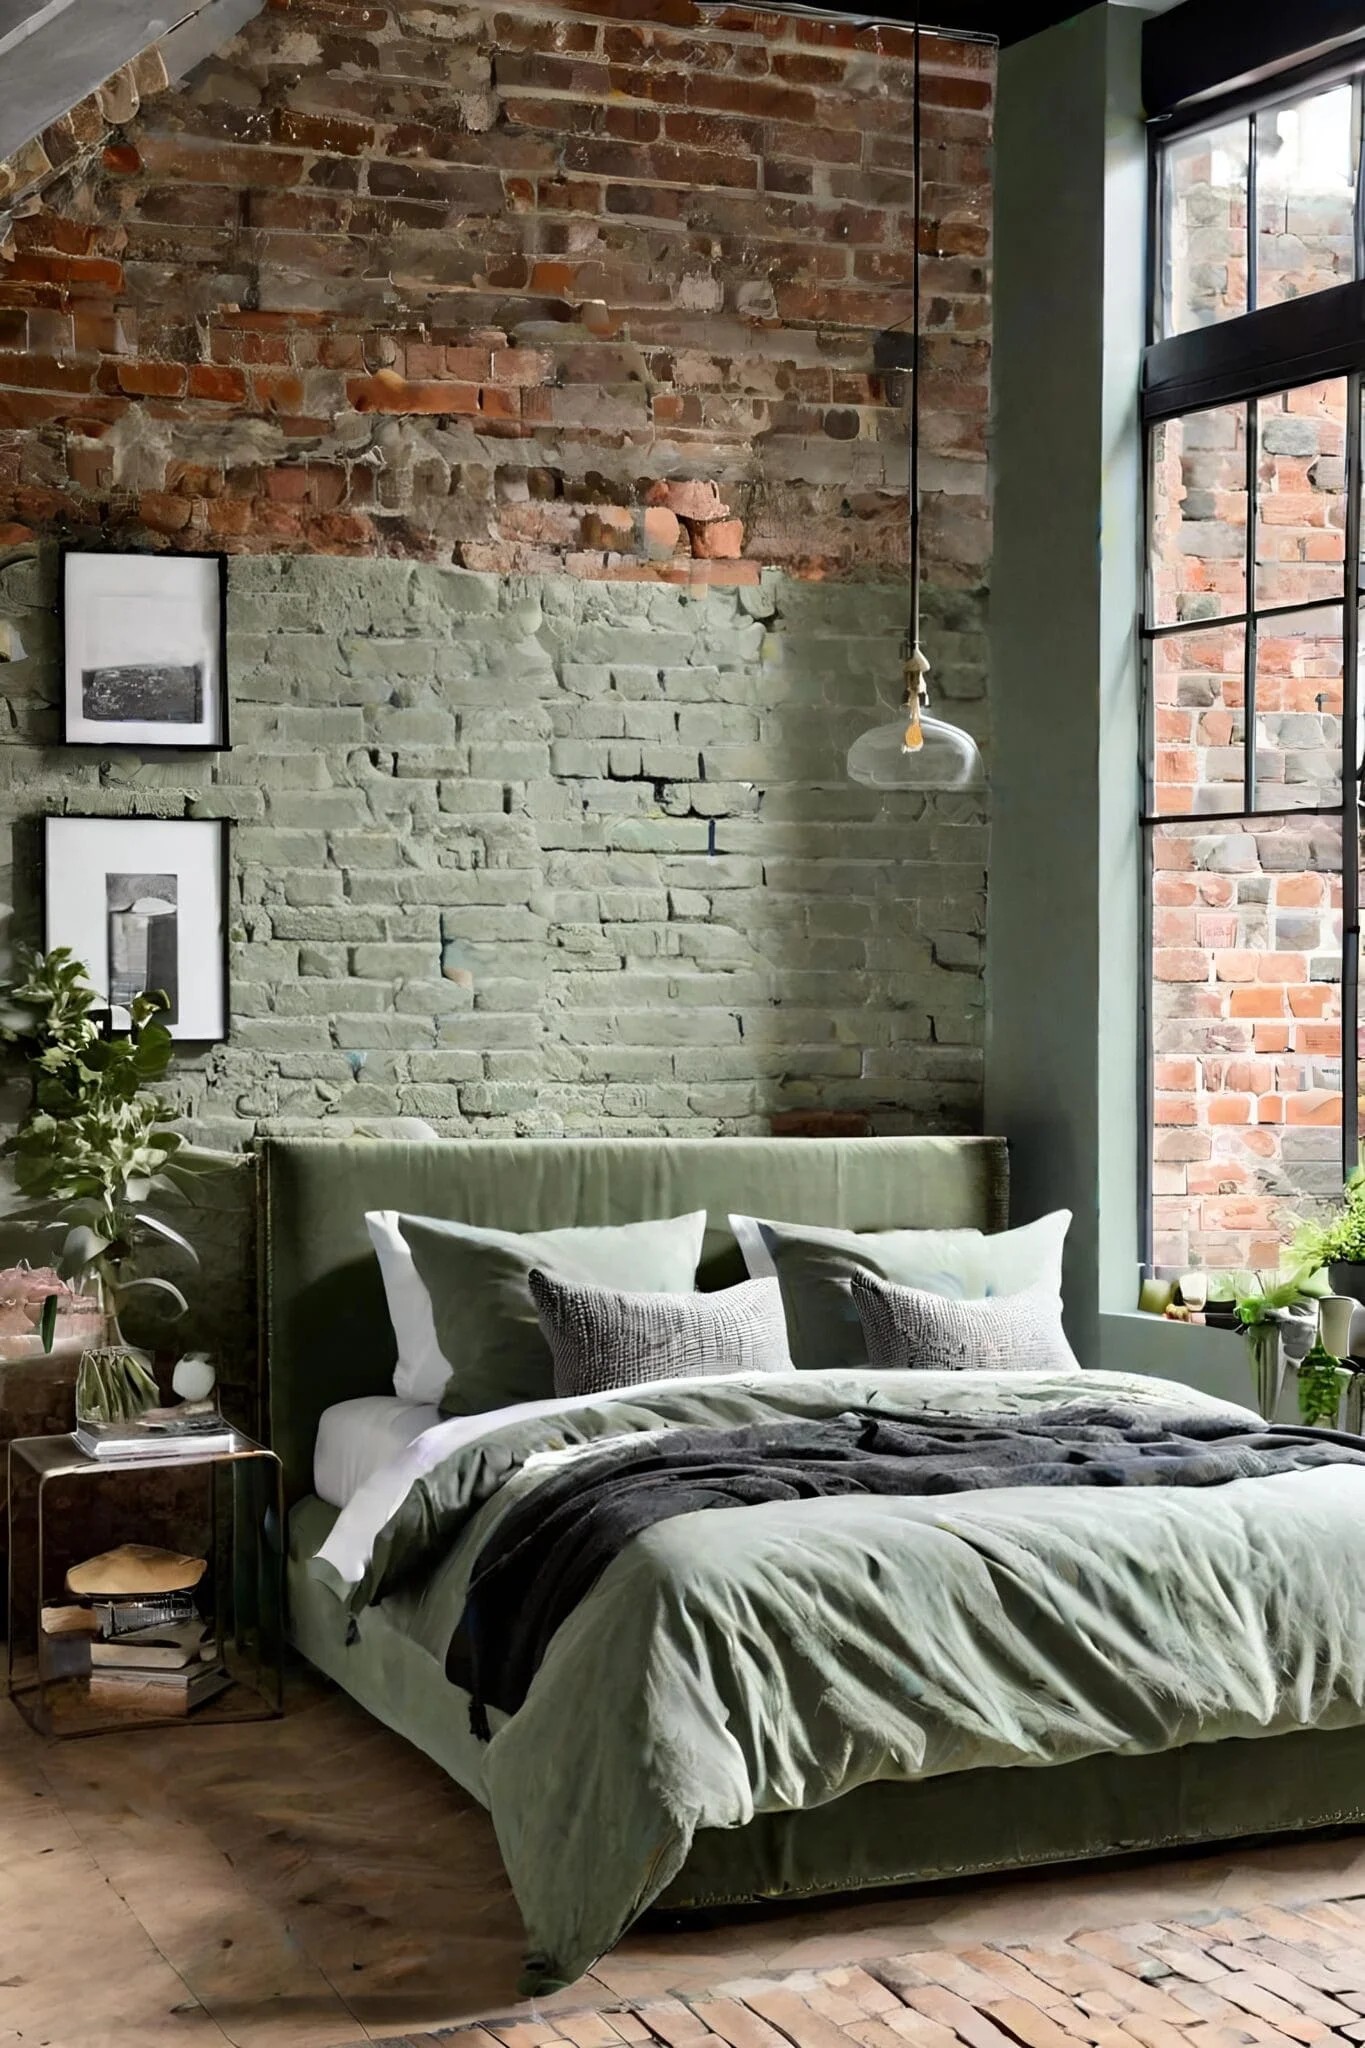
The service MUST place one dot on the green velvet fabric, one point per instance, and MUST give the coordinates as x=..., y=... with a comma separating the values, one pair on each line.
x=978, y=1821
x=480, y=1287
x=881, y=1834
x=327, y=1334
x=391, y=1664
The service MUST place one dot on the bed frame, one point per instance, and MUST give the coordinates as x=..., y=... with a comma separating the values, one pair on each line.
x=327, y=1338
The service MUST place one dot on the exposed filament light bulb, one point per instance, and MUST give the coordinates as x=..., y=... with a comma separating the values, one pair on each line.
x=916, y=699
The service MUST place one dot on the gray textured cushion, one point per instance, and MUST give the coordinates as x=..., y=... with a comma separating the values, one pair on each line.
x=902, y=1326
x=600, y=1339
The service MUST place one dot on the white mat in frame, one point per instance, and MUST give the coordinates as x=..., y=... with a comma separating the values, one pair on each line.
x=142, y=903
x=144, y=649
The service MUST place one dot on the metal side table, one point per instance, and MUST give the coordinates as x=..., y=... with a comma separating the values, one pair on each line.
x=241, y=1594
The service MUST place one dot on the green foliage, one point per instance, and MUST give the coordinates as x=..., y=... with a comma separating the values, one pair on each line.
x=97, y=1141
x=1267, y=1297
x=1343, y=1239
x=1320, y=1384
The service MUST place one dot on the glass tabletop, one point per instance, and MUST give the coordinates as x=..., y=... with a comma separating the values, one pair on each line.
x=53, y=1456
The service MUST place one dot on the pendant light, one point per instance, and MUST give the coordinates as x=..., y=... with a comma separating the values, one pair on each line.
x=916, y=751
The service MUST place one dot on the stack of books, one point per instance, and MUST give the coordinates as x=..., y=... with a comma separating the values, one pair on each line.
x=168, y=1668
x=151, y=1655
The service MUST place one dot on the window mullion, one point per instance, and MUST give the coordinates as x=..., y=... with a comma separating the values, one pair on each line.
x=1350, y=791
x=1253, y=143
x=1295, y=341
x=1257, y=817
x=1295, y=609
x=1249, y=643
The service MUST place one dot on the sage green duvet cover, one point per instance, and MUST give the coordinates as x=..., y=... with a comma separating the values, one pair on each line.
x=767, y=1659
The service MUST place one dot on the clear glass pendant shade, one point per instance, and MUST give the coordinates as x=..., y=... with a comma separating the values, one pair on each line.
x=916, y=751
x=947, y=758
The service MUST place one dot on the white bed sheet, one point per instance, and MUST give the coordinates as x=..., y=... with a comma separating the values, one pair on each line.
x=358, y=1438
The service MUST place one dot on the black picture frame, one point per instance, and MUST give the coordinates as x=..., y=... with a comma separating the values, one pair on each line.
x=217, y=832
x=74, y=731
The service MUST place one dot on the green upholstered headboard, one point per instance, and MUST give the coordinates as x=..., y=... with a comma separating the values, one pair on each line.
x=327, y=1334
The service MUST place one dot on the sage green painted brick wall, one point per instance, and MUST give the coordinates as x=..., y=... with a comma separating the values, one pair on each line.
x=541, y=854
x=536, y=855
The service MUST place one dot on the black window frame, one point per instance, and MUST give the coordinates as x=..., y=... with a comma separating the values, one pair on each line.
x=1239, y=361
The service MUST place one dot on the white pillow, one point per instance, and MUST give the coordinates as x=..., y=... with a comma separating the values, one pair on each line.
x=1012, y=1261
x=970, y=1264
x=421, y=1371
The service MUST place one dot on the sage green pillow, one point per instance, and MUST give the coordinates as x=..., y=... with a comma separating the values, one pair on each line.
x=815, y=1269
x=479, y=1284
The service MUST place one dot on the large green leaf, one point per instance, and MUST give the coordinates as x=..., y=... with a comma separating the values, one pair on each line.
x=152, y=1053
x=91, y=1211
x=162, y=1287
x=155, y=1223
x=83, y=1246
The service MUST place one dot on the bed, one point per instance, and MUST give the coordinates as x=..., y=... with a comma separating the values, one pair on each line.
x=1290, y=1758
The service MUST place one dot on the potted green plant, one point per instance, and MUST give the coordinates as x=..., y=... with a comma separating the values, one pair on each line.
x=95, y=1146
x=1339, y=1244
x=1323, y=1379
x=1265, y=1303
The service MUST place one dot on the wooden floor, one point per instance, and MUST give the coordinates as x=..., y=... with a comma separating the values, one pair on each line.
x=314, y=1882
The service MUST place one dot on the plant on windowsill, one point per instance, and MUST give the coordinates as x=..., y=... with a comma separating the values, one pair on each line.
x=1339, y=1245
x=1265, y=1303
x=95, y=1146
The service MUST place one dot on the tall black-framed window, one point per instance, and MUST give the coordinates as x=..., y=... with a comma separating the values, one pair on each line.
x=1253, y=384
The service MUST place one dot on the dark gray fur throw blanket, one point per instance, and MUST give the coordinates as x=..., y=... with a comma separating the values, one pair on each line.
x=550, y=1549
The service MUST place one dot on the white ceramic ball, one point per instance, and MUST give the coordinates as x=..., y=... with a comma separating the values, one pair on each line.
x=193, y=1378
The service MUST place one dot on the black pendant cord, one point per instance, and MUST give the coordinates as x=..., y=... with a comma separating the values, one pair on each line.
x=915, y=683
x=917, y=153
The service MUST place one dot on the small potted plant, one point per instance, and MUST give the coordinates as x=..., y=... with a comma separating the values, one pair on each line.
x=1339, y=1245
x=1266, y=1306
x=95, y=1146
x=1323, y=1379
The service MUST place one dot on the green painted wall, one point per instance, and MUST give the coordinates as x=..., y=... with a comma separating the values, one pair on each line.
x=1063, y=950
x=540, y=854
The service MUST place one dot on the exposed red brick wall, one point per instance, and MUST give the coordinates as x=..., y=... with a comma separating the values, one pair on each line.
x=1247, y=924
x=490, y=284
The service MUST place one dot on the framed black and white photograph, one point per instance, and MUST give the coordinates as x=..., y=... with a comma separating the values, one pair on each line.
x=142, y=902
x=144, y=650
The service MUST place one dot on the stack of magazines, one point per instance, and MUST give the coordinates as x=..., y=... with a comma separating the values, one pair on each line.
x=203, y=1434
